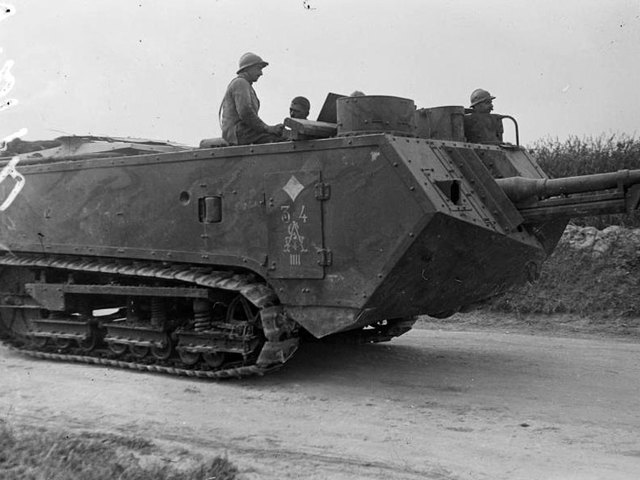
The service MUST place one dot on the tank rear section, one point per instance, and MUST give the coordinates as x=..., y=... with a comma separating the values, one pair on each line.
x=113, y=260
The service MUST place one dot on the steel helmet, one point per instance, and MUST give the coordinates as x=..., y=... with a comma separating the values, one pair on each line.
x=303, y=102
x=249, y=60
x=479, y=95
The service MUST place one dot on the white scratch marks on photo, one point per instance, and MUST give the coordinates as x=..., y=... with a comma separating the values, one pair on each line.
x=6, y=11
x=7, y=80
x=20, y=133
x=10, y=170
x=8, y=104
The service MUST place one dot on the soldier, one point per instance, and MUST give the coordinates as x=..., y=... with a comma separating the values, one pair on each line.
x=239, y=118
x=299, y=108
x=480, y=126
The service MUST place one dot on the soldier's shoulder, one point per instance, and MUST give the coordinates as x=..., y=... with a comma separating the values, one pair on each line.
x=239, y=82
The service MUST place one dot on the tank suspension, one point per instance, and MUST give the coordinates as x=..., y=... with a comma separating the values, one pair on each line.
x=62, y=343
x=54, y=315
x=158, y=312
x=240, y=310
x=268, y=340
x=201, y=314
x=133, y=310
x=83, y=308
x=94, y=332
x=219, y=312
x=139, y=351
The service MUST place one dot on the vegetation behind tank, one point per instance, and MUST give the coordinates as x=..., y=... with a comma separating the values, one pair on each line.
x=594, y=272
x=588, y=155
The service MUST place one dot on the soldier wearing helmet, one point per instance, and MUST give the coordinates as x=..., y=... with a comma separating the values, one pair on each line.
x=480, y=126
x=239, y=118
x=299, y=108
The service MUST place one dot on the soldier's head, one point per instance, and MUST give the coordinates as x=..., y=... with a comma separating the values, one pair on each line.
x=299, y=108
x=482, y=101
x=251, y=65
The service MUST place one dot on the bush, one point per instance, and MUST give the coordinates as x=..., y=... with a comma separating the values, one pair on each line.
x=588, y=155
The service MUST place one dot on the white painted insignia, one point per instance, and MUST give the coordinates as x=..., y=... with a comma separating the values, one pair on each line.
x=294, y=241
x=10, y=170
x=293, y=188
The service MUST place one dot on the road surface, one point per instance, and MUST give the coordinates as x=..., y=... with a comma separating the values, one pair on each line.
x=429, y=405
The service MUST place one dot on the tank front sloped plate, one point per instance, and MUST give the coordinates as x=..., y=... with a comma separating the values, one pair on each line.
x=452, y=264
x=294, y=218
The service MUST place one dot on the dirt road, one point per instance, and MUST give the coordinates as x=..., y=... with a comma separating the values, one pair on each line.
x=429, y=405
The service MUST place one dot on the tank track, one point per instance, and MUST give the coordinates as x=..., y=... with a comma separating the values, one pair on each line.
x=281, y=332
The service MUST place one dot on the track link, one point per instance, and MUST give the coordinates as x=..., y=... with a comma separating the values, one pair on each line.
x=280, y=331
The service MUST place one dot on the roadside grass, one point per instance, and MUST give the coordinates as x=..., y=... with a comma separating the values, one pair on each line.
x=30, y=453
x=575, y=282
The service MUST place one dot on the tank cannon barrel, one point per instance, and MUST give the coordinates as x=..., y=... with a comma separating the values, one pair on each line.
x=520, y=188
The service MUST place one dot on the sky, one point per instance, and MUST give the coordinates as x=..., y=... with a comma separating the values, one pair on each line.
x=158, y=69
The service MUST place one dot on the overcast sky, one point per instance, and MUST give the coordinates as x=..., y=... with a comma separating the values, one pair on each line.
x=158, y=68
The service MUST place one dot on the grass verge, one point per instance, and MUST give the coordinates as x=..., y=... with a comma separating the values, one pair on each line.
x=29, y=453
x=576, y=282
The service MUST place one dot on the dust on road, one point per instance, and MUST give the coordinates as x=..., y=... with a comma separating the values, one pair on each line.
x=431, y=404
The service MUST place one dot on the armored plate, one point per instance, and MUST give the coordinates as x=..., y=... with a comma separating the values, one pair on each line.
x=294, y=219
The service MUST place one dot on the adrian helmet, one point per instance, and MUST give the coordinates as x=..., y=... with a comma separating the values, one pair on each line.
x=479, y=95
x=249, y=60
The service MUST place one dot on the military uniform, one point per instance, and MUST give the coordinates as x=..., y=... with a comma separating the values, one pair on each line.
x=483, y=128
x=239, y=118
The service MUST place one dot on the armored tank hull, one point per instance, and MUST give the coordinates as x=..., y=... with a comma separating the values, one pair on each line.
x=216, y=262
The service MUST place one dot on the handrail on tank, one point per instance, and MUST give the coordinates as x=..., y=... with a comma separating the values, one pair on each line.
x=515, y=123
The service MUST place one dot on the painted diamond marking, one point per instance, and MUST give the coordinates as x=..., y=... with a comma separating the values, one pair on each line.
x=293, y=188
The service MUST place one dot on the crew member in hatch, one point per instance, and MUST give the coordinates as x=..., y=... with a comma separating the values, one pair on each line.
x=481, y=126
x=299, y=108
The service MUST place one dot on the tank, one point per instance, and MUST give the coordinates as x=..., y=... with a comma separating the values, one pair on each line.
x=220, y=262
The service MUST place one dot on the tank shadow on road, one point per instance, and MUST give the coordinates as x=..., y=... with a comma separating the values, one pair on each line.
x=397, y=363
